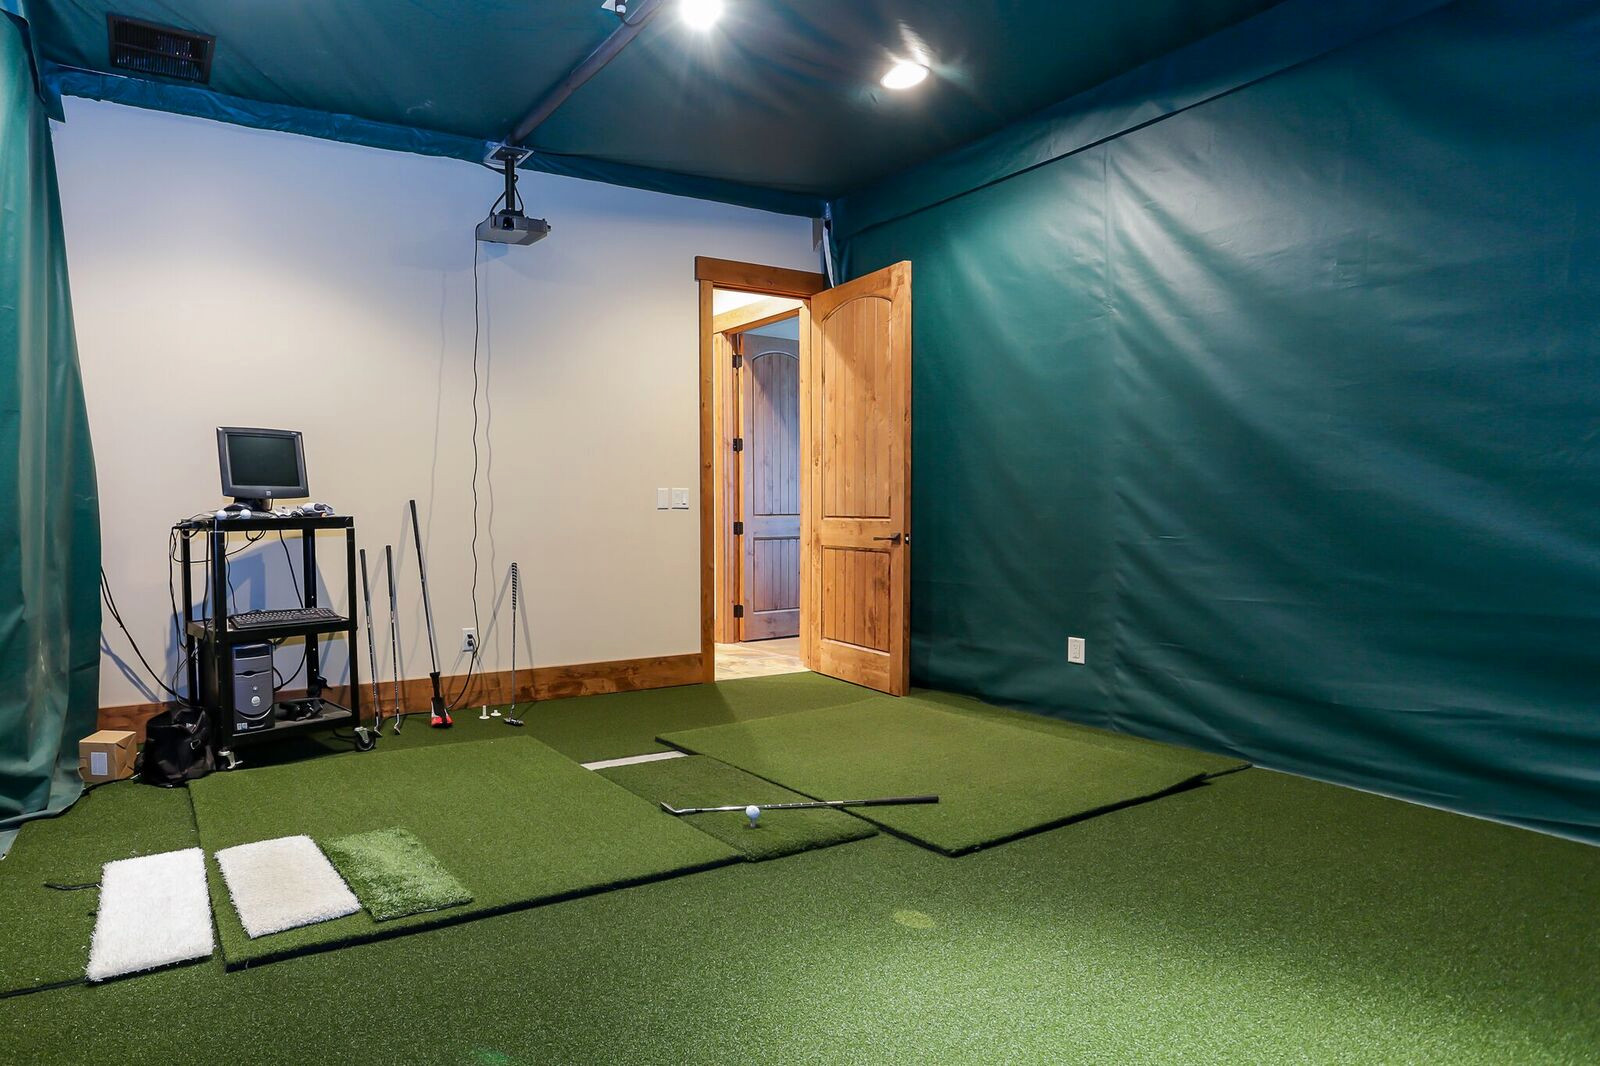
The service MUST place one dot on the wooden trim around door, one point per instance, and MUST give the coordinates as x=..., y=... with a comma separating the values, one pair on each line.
x=754, y=316
x=496, y=687
x=752, y=277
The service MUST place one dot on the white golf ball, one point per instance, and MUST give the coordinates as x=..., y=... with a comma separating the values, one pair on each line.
x=752, y=813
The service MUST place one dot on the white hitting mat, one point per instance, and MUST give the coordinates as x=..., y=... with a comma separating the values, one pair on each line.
x=283, y=884
x=154, y=911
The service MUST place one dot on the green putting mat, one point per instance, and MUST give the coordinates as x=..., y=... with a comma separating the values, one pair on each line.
x=517, y=822
x=393, y=874
x=995, y=781
x=46, y=931
x=696, y=781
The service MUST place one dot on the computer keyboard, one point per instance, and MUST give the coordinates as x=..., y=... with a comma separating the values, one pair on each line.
x=291, y=617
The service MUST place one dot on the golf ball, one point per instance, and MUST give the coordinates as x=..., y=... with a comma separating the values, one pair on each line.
x=752, y=813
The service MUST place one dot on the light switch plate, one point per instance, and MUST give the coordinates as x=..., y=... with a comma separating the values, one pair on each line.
x=1076, y=650
x=680, y=499
x=663, y=499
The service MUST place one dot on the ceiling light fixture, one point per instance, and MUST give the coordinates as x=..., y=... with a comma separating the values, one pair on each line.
x=701, y=14
x=904, y=74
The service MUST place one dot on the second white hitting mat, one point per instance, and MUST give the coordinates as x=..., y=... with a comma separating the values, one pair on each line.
x=154, y=911
x=283, y=884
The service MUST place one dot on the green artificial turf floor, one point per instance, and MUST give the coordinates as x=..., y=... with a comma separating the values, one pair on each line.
x=44, y=932
x=590, y=728
x=696, y=781
x=517, y=823
x=1255, y=918
x=994, y=781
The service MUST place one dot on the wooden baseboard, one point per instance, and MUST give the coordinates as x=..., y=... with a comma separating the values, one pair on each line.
x=498, y=687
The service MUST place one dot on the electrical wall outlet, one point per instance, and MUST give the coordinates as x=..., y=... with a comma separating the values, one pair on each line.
x=1076, y=650
x=680, y=499
x=469, y=641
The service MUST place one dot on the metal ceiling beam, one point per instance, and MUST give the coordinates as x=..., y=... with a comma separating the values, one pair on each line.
x=592, y=64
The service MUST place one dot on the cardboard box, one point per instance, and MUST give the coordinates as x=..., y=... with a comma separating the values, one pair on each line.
x=107, y=755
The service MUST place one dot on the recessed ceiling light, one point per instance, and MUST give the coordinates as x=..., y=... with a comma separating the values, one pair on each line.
x=904, y=74
x=701, y=14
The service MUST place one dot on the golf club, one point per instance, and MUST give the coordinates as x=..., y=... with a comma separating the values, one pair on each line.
x=394, y=634
x=372, y=657
x=440, y=718
x=516, y=588
x=886, y=801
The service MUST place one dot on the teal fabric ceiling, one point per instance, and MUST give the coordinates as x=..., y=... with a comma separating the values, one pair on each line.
x=781, y=97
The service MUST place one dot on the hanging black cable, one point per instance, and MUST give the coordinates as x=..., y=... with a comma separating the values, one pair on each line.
x=472, y=664
x=116, y=616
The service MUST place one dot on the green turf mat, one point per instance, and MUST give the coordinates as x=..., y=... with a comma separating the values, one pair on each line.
x=393, y=874
x=518, y=822
x=696, y=781
x=995, y=781
x=44, y=932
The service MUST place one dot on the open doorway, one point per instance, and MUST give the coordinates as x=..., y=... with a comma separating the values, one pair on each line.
x=756, y=346
x=853, y=363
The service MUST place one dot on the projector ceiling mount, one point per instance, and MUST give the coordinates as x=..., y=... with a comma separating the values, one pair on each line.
x=510, y=225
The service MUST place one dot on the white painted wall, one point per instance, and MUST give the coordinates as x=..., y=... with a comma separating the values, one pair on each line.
x=227, y=276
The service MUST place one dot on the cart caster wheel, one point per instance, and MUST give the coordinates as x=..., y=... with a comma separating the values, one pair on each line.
x=366, y=740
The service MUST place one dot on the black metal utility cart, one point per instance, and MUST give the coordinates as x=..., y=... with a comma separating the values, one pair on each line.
x=210, y=646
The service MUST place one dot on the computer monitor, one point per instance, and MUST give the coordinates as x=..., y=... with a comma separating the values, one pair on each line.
x=261, y=464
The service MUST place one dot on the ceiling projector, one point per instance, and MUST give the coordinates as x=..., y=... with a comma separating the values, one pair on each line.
x=510, y=226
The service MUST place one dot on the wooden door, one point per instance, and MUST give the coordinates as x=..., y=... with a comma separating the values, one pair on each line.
x=769, y=467
x=856, y=450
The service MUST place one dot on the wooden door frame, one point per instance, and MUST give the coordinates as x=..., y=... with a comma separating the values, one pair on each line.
x=726, y=403
x=712, y=274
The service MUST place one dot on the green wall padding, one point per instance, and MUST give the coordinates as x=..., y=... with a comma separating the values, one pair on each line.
x=1288, y=402
x=49, y=522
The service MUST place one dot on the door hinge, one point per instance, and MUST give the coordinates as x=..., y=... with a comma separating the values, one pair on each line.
x=738, y=610
x=738, y=529
x=738, y=360
x=738, y=444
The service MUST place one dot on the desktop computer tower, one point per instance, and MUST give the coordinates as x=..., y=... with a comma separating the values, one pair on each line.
x=254, y=695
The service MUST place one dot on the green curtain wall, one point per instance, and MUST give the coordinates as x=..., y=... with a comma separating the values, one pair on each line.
x=1287, y=399
x=49, y=526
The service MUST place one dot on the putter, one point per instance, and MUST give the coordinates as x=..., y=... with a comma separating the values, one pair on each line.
x=887, y=801
x=371, y=736
x=394, y=635
x=516, y=587
x=441, y=714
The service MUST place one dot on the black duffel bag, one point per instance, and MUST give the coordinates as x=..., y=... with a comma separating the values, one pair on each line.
x=177, y=747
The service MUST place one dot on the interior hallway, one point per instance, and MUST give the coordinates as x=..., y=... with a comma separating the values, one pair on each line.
x=759, y=658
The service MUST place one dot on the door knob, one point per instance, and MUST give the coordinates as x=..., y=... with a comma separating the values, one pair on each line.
x=892, y=540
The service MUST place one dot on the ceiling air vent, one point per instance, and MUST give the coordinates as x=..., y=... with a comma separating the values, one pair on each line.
x=146, y=48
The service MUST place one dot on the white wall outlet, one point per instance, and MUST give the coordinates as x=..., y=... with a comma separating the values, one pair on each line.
x=1076, y=650
x=663, y=499
x=680, y=499
x=469, y=641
